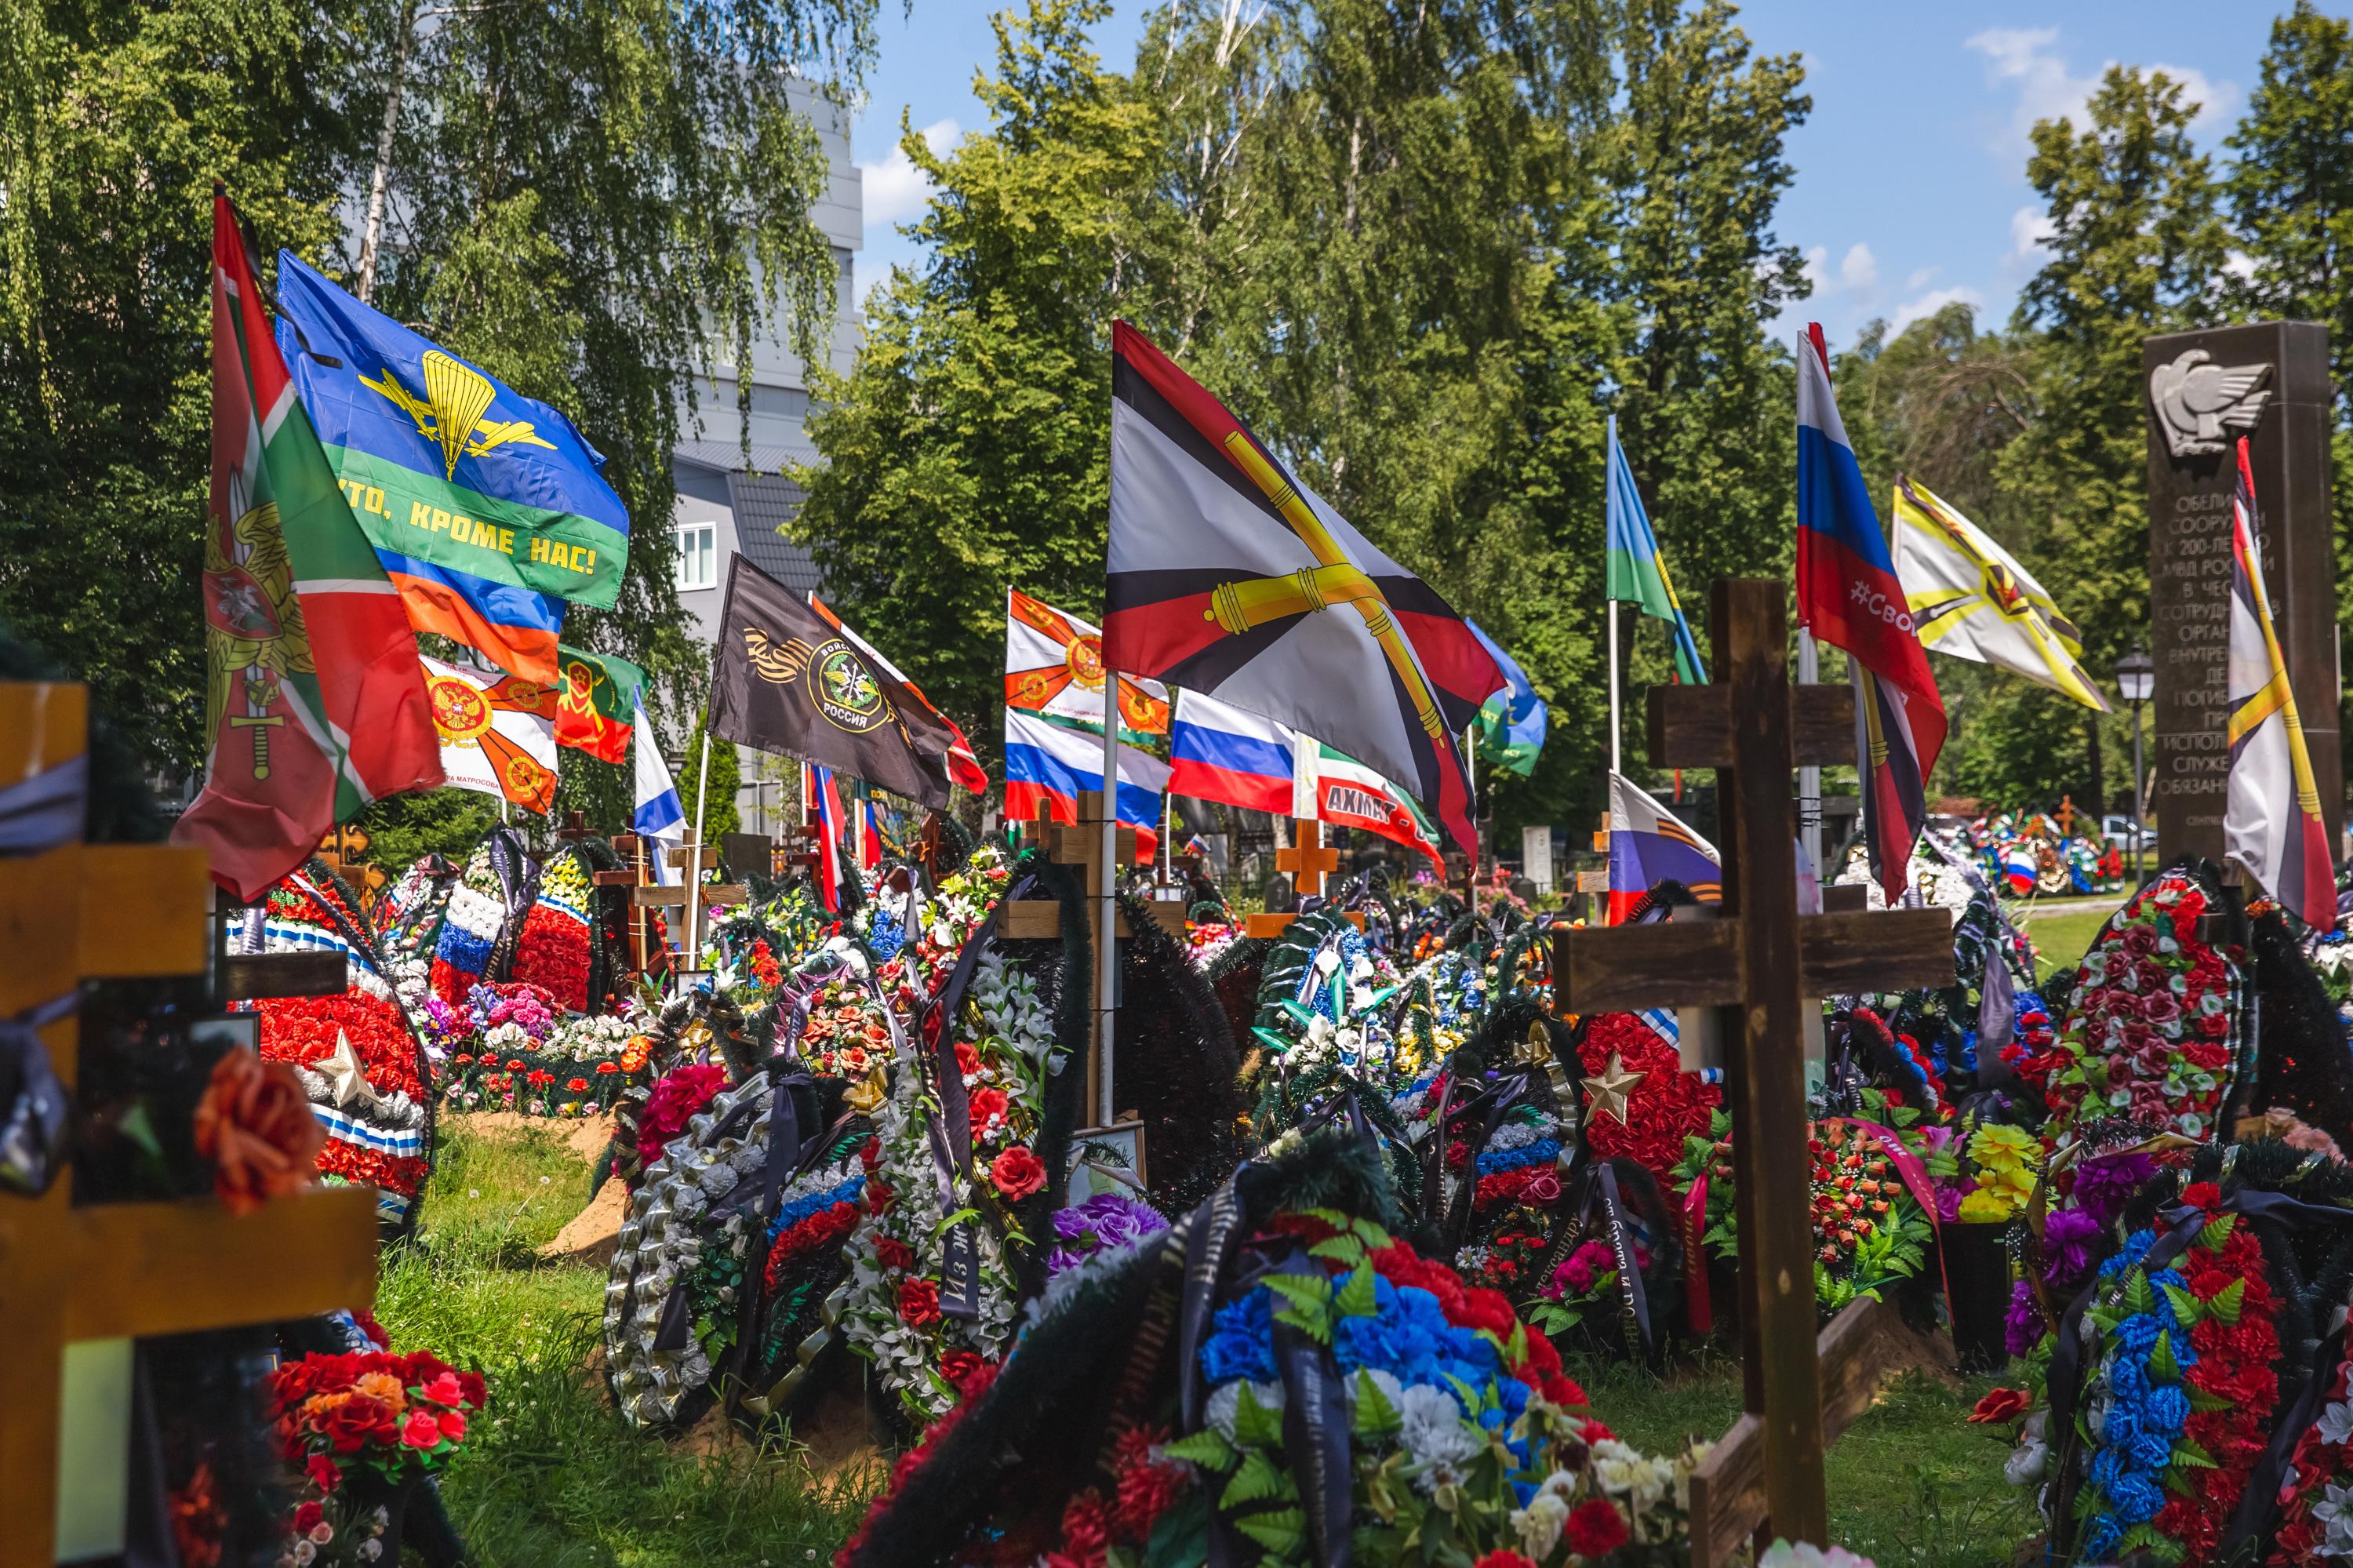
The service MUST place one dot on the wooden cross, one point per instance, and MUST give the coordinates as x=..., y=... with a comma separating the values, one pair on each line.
x=1309, y=862
x=116, y=1271
x=2066, y=814
x=1759, y=963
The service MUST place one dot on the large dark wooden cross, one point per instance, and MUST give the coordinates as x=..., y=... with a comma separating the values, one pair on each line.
x=1760, y=964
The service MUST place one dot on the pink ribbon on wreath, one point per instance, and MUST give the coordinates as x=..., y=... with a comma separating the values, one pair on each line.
x=1696, y=1302
x=1915, y=1180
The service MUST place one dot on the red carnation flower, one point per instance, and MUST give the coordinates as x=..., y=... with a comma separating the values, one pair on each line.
x=1594, y=1528
x=1505, y=1557
x=967, y=1059
x=2202, y=1195
x=896, y=1255
x=987, y=1105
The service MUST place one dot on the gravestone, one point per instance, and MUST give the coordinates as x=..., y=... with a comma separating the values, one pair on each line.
x=2270, y=383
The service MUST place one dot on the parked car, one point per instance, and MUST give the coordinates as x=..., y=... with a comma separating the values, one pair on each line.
x=2118, y=831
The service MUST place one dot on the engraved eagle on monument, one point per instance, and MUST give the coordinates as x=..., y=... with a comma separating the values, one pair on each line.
x=2197, y=401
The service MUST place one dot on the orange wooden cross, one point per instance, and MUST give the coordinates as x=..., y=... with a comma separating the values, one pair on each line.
x=1309, y=862
x=2066, y=813
x=116, y=1271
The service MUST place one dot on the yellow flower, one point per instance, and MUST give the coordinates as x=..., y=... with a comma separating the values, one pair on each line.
x=1988, y=1203
x=1997, y=1148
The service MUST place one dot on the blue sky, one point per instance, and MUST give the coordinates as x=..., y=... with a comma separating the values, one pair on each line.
x=1911, y=171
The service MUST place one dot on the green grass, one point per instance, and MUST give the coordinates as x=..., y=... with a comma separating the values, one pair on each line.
x=550, y=1478
x=1911, y=1483
x=2060, y=939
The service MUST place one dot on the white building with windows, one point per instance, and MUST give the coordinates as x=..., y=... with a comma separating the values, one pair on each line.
x=732, y=502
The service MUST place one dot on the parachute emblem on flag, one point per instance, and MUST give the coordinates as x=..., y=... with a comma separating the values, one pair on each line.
x=456, y=398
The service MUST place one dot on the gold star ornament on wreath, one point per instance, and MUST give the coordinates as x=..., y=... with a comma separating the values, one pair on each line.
x=1608, y=1091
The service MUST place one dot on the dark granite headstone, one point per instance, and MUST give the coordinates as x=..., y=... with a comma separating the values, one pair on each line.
x=2203, y=390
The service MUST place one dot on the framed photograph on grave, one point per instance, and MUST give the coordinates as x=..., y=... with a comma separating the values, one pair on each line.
x=1107, y=1160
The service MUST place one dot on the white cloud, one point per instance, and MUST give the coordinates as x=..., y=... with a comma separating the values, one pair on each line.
x=1920, y=276
x=2030, y=227
x=1857, y=274
x=1929, y=304
x=895, y=190
x=2027, y=60
x=1860, y=269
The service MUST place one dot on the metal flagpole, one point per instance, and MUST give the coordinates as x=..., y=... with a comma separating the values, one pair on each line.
x=1609, y=607
x=1107, y=910
x=694, y=870
x=1810, y=780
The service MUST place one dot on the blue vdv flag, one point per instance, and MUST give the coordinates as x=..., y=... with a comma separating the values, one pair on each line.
x=1512, y=723
x=1633, y=568
x=518, y=519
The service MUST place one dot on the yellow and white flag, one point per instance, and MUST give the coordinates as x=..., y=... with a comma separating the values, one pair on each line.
x=497, y=736
x=1970, y=599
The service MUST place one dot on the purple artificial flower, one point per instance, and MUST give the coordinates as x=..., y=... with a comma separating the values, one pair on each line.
x=1949, y=1193
x=1103, y=1222
x=2022, y=1326
x=2067, y=1237
x=2104, y=1185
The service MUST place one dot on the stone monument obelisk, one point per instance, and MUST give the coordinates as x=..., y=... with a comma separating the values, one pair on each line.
x=2268, y=382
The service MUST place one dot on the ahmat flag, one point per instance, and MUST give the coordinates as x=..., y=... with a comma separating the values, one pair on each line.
x=1848, y=594
x=1227, y=576
x=497, y=736
x=963, y=767
x=659, y=814
x=313, y=697
x=1217, y=752
x=487, y=507
x=1053, y=763
x=1649, y=844
x=1332, y=787
x=1512, y=723
x=1970, y=599
x=2272, y=824
x=785, y=680
x=596, y=699
x=1053, y=664
x=1634, y=571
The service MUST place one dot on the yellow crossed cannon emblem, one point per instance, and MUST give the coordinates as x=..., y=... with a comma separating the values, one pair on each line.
x=1239, y=606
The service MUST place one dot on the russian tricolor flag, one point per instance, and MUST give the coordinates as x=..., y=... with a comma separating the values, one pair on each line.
x=830, y=824
x=1044, y=761
x=1849, y=597
x=1217, y=752
x=1649, y=844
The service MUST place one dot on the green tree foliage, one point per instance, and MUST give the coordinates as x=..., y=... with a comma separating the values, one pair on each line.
x=1413, y=245
x=576, y=199
x=104, y=375
x=2135, y=243
x=965, y=452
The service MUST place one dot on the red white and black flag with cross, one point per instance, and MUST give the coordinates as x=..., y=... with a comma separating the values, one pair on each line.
x=1229, y=577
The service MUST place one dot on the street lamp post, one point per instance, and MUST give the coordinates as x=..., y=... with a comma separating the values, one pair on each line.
x=2135, y=678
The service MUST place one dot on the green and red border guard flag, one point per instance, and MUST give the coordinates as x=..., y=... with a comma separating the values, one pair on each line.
x=313, y=696
x=1229, y=577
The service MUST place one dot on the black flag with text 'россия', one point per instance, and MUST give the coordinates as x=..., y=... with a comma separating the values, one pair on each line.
x=1229, y=577
x=782, y=680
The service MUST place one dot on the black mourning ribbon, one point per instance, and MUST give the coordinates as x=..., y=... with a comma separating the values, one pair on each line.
x=949, y=1129
x=1491, y=1105
x=1315, y=1430
x=33, y=1104
x=1596, y=1191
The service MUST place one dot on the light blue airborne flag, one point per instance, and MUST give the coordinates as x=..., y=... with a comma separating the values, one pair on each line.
x=1636, y=571
x=1512, y=723
x=520, y=518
